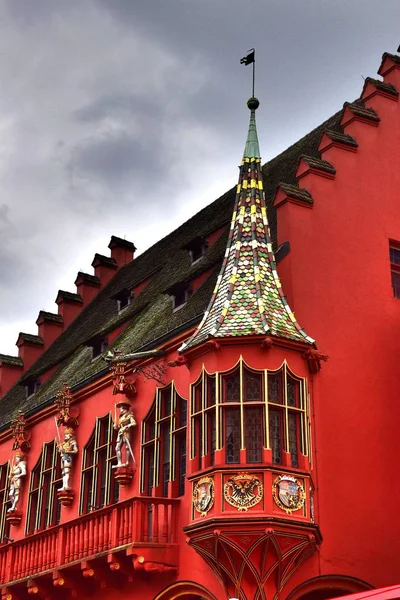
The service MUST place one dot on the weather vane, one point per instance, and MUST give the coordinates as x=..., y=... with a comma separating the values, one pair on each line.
x=250, y=59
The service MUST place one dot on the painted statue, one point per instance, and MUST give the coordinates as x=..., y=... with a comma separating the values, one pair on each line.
x=17, y=472
x=67, y=449
x=126, y=421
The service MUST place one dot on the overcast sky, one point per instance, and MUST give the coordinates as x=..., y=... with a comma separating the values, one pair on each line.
x=125, y=117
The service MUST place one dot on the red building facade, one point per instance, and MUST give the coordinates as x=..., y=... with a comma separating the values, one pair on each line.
x=173, y=432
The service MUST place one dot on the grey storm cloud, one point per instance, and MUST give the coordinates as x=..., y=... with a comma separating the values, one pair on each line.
x=125, y=117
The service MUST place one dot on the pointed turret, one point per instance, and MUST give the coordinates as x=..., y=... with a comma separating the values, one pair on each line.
x=248, y=297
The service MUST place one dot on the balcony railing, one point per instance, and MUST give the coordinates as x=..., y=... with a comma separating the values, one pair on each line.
x=137, y=521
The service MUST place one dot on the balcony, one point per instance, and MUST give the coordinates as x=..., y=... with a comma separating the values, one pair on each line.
x=137, y=534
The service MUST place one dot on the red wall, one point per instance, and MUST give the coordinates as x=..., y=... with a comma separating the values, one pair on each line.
x=339, y=274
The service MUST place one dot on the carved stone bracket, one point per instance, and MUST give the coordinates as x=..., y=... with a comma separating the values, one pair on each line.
x=66, y=497
x=14, y=518
x=124, y=475
x=66, y=415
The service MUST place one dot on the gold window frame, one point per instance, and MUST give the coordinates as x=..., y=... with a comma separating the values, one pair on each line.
x=175, y=432
x=87, y=466
x=49, y=450
x=303, y=408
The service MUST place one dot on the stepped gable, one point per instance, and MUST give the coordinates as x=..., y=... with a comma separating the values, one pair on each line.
x=13, y=361
x=149, y=317
x=296, y=192
x=341, y=138
x=248, y=297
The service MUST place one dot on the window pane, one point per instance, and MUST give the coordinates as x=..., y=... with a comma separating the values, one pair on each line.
x=212, y=434
x=293, y=437
x=275, y=387
x=210, y=391
x=293, y=389
x=197, y=398
x=396, y=284
x=253, y=433
x=252, y=387
x=232, y=388
x=166, y=402
x=394, y=255
x=232, y=435
x=181, y=411
x=181, y=442
x=275, y=435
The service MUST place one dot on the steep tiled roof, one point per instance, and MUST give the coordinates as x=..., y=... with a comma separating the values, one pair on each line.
x=150, y=317
x=248, y=298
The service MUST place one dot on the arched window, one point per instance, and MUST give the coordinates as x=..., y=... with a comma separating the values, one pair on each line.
x=98, y=487
x=4, y=501
x=43, y=506
x=164, y=445
x=243, y=411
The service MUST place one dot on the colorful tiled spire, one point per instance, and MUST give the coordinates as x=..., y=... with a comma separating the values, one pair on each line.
x=248, y=297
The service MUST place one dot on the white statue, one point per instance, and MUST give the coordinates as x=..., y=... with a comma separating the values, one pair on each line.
x=126, y=421
x=17, y=472
x=67, y=449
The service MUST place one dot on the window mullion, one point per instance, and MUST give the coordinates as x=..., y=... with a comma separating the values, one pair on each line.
x=286, y=424
x=266, y=409
x=241, y=384
x=217, y=415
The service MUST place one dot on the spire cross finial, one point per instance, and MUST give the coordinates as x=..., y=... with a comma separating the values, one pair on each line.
x=248, y=60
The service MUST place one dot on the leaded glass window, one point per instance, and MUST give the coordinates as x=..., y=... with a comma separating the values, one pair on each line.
x=249, y=410
x=232, y=433
x=164, y=447
x=98, y=487
x=42, y=497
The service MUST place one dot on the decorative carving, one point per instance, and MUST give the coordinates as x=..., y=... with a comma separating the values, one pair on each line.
x=243, y=491
x=66, y=415
x=179, y=361
x=288, y=493
x=21, y=438
x=203, y=495
x=155, y=371
x=314, y=359
x=67, y=449
x=124, y=424
x=122, y=385
x=17, y=473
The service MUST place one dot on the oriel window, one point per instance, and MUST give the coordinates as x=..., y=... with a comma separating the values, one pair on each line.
x=243, y=411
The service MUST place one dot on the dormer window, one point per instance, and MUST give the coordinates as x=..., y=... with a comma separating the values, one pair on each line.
x=99, y=346
x=32, y=387
x=124, y=298
x=180, y=295
x=197, y=248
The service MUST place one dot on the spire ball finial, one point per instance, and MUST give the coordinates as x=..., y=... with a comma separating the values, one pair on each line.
x=253, y=103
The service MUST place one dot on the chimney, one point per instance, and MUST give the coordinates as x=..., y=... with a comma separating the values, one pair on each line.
x=69, y=306
x=87, y=286
x=30, y=347
x=11, y=369
x=104, y=268
x=122, y=251
x=50, y=326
